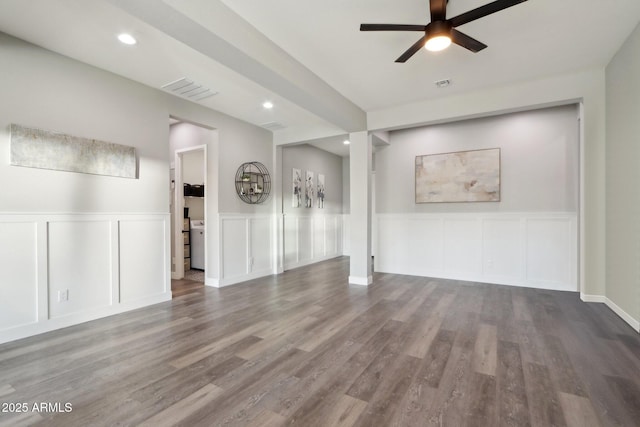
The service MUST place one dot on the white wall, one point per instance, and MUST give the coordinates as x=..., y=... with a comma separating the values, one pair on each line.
x=623, y=174
x=104, y=239
x=538, y=156
x=346, y=185
x=586, y=87
x=312, y=234
x=529, y=238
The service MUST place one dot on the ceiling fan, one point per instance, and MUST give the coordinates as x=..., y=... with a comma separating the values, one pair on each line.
x=441, y=32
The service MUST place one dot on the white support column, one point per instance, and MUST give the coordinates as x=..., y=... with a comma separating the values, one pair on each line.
x=360, y=159
x=277, y=190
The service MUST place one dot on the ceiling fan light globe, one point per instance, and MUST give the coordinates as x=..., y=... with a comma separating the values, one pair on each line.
x=437, y=43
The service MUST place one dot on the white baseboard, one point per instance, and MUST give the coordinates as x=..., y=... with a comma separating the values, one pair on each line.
x=361, y=281
x=593, y=298
x=28, y=330
x=221, y=283
x=310, y=261
x=634, y=323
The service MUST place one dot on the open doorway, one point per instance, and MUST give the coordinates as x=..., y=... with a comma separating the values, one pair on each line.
x=188, y=145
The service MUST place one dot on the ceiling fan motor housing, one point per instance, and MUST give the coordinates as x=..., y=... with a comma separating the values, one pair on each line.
x=438, y=28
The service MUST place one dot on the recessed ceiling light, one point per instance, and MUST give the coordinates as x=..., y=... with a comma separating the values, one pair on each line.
x=268, y=105
x=127, y=39
x=346, y=142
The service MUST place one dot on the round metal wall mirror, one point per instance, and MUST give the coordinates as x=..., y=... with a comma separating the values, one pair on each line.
x=253, y=182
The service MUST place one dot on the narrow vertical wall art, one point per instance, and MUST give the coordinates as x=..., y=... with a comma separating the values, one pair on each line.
x=309, y=190
x=296, y=193
x=320, y=193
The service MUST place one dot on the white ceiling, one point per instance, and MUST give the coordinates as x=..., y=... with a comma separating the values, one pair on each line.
x=534, y=39
x=310, y=59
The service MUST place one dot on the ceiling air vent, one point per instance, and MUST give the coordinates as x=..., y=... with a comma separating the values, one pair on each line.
x=442, y=83
x=273, y=126
x=189, y=89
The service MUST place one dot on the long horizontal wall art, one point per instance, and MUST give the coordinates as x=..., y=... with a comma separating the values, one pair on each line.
x=42, y=149
x=464, y=176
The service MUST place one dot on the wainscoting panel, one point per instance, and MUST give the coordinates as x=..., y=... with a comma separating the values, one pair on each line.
x=58, y=270
x=246, y=248
x=520, y=249
x=80, y=260
x=18, y=274
x=235, y=247
x=499, y=238
x=305, y=239
x=261, y=248
x=548, y=244
x=332, y=232
x=291, y=240
x=462, y=246
x=142, y=259
x=310, y=239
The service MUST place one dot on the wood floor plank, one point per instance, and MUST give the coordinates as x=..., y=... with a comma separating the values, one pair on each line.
x=560, y=364
x=6, y=390
x=182, y=409
x=485, y=354
x=544, y=405
x=521, y=308
x=304, y=348
x=513, y=406
x=482, y=403
x=322, y=396
x=388, y=395
x=426, y=333
x=410, y=308
x=367, y=383
x=212, y=348
x=21, y=420
x=266, y=418
x=345, y=412
x=628, y=392
x=578, y=411
x=435, y=362
x=326, y=331
x=288, y=335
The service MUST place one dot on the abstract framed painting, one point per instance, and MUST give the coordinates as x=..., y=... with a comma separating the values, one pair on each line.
x=462, y=176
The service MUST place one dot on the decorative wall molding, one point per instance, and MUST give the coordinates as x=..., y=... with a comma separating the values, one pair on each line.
x=346, y=234
x=311, y=238
x=245, y=248
x=61, y=269
x=531, y=249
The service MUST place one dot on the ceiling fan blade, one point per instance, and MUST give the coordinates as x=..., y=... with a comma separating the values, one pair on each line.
x=412, y=50
x=438, y=10
x=466, y=42
x=483, y=11
x=391, y=27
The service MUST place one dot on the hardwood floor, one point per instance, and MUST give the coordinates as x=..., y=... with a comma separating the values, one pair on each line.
x=306, y=349
x=185, y=286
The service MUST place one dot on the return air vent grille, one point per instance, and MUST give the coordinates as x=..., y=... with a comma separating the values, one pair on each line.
x=273, y=126
x=189, y=89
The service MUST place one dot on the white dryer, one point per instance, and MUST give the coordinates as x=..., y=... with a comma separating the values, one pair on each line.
x=197, y=244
